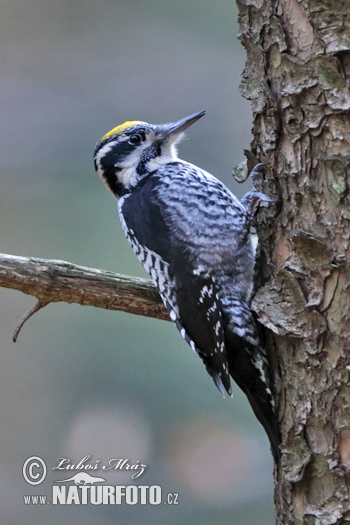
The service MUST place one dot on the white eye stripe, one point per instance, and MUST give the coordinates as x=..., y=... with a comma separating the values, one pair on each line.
x=101, y=153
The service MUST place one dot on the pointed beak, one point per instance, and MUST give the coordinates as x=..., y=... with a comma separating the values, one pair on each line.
x=176, y=128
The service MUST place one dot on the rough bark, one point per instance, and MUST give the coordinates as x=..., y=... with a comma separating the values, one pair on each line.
x=297, y=78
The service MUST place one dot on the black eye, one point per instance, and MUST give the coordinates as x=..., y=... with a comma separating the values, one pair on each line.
x=135, y=139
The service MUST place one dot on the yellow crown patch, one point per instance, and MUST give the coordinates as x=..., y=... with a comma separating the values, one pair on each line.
x=122, y=127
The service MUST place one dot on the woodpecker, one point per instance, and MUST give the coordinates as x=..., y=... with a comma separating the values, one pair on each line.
x=192, y=236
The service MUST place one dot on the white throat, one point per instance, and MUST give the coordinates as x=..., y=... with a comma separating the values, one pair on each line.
x=128, y=176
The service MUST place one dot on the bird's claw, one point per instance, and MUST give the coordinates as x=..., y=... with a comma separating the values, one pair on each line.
x=255, y=198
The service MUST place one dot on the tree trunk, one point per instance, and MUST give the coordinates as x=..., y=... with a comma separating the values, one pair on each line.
x=297, y=78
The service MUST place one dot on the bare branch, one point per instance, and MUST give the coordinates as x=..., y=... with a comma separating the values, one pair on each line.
x=55, y=281
x=38, y=306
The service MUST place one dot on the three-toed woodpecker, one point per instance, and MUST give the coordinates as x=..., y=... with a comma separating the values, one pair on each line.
x=192, y=236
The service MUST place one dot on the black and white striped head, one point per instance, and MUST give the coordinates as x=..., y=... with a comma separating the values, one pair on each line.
x=131, y=151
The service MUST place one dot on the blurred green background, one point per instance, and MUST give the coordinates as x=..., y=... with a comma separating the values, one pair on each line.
x=87, y=381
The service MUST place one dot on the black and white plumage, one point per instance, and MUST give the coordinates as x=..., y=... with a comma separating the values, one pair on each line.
x=192, y=236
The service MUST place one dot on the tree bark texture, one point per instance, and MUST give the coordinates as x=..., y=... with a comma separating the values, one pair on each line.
x=297, y=78
x=54, y=281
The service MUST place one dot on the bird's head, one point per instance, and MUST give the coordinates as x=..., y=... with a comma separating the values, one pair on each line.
x=131, y=151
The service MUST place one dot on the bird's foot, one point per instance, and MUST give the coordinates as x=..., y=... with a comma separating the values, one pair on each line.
x=255, y=198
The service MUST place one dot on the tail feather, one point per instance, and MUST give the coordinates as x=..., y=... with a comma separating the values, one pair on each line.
x=265, y=414
x=249, y=379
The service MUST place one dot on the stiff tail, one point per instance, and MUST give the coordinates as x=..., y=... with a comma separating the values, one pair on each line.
x=250, y=381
